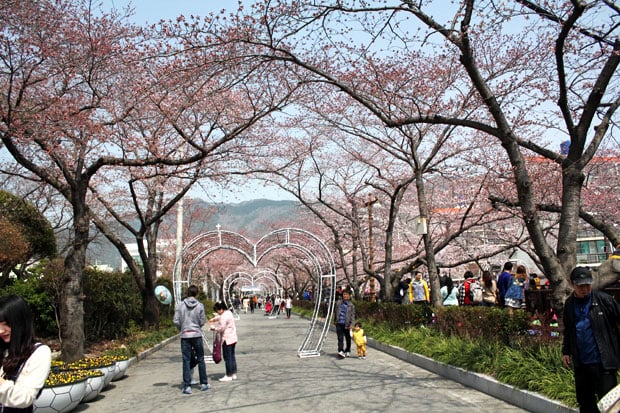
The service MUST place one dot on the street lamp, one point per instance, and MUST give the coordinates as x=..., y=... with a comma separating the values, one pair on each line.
x=371, y=251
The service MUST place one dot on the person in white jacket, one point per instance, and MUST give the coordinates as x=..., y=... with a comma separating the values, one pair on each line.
x=24, y=363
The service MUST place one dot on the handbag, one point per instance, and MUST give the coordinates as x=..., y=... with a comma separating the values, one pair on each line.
x=193, y=360
x=217, y=347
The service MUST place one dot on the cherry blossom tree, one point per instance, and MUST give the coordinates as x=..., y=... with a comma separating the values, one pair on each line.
x=536, y=69
x=335, y=157
x=57, y=86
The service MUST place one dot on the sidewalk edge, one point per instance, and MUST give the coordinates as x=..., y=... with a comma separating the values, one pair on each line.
x=524, y=399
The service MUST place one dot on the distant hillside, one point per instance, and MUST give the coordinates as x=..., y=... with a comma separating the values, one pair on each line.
x=252, y=219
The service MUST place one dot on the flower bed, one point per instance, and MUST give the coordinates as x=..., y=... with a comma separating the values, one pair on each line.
x=62, y=393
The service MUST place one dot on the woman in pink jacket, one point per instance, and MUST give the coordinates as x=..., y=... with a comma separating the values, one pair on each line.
x=226, y=326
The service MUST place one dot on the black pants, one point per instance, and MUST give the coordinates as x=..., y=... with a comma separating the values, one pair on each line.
x=592, y=380
x=343, y=335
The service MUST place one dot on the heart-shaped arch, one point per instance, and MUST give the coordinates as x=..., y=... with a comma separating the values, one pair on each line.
x=247, y=277
x=307, y=243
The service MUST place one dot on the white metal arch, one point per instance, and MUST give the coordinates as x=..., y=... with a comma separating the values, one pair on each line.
x=304, y=241
x=252, y=278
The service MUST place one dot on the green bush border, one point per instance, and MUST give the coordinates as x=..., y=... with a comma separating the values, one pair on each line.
x=478, y=339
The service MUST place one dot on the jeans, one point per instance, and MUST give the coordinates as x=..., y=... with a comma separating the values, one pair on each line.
x=592, y=380
x=187, y=344
x=228, y=354
x=343, y=335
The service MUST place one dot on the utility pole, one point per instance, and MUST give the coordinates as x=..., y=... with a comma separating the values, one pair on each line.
x=179, y=254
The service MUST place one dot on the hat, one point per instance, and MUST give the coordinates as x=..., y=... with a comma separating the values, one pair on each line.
x=581, y=275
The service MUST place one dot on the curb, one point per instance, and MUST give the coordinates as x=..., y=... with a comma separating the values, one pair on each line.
x=156, y=347
x=148, y=352
x=524, y=399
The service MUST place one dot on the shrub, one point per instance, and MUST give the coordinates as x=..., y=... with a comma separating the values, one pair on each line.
x=42, y=305
x=486, y=323
x=112, y=301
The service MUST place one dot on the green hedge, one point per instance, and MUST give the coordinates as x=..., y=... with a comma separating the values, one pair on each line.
x=112, y=302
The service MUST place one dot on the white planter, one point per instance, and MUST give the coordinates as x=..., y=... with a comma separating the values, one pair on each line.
x=109, y=374
x=60, y=399
x=94, y=385
x=120, y=369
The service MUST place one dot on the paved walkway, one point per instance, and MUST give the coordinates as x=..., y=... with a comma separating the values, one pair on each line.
x=273, y=379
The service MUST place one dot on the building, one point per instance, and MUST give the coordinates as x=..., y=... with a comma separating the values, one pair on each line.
x=592, y=248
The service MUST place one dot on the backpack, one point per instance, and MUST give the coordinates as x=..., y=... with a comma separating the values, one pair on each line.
x=475, y=293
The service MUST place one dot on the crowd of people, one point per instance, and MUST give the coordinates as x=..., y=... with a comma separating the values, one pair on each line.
x=506, y=289
x=591, y=339
x=273, y=305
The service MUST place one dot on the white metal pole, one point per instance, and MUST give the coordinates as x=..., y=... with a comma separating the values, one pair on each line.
x=179, y=253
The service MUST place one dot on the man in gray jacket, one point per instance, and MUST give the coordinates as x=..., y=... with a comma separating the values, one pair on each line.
x=189, y=317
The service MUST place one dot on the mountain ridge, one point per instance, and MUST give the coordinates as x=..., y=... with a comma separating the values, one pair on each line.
x=252, y=219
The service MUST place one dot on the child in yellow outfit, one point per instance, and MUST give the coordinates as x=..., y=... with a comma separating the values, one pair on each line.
x=360, y=340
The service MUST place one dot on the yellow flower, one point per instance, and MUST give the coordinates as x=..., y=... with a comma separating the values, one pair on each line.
x=90, y=363
x=64, y=378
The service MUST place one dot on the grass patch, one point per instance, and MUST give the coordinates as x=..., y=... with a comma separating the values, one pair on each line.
x=533, y=367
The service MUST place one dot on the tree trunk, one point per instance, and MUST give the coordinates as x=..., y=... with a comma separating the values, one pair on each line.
x=431, y=263
x=150, y=307
x=72, y=295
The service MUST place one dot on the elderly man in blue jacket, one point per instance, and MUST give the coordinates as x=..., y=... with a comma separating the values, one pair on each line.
x=591, y=339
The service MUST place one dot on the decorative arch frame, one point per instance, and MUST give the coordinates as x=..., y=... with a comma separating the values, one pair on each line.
x=307, y=243
x=244, y=276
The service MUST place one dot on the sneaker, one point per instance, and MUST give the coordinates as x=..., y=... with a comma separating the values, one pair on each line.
x=234, y=377
x=359, y=357
x=364, y=358
x=204, y=387
x=194, y=382
x=347, y=354
x=187, y=390
x=226, y=378
x=341, y=354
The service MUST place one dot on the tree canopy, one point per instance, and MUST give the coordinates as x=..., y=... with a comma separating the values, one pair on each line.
x=27, y=231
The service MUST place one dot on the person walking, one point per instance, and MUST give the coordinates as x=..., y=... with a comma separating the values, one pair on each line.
x=189, y=317
x=224, y=323
x=359, y=338
x=24, y=363
x=344, y=317
x=591, y=342
x=288, y=306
